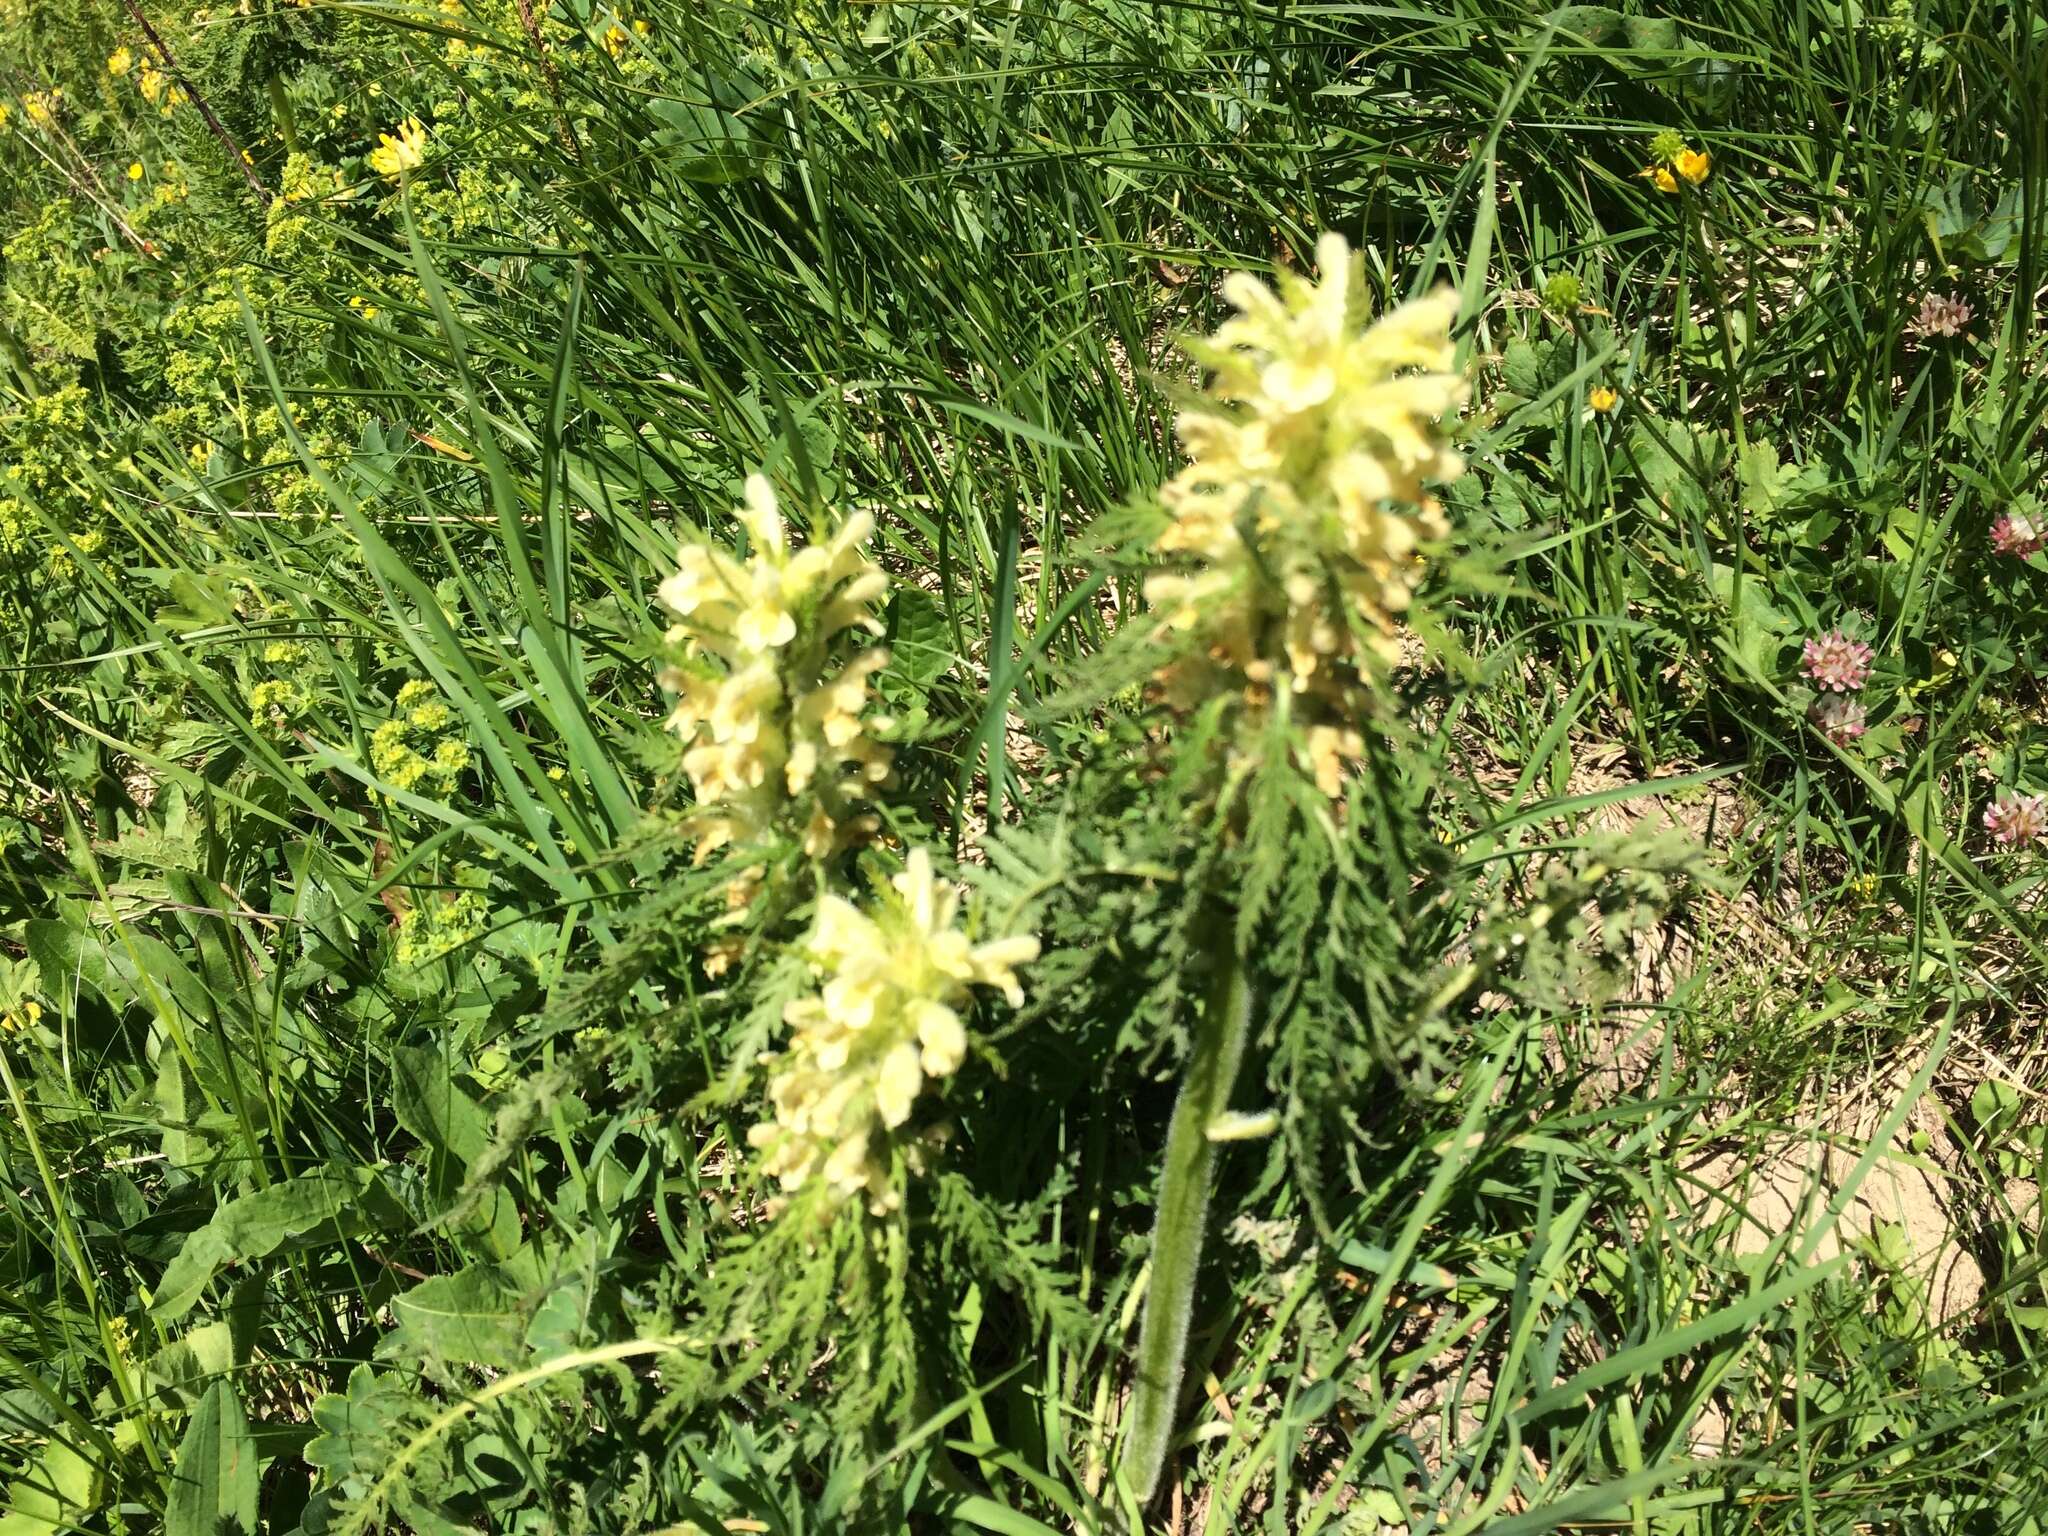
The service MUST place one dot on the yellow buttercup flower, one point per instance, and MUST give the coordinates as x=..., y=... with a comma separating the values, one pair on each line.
x=135, y=170
x=1601, y=398
x=120, y=61
x=407, y=151
x=882, y=1022
x=1672, y=159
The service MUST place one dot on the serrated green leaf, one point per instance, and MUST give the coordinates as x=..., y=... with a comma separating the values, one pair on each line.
x=473, y=1317
x=56, y=1495
x=360, y=1427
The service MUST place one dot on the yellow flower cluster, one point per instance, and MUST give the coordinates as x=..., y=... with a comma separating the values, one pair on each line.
x=883, y=1020
x=1673, y=160
x=158, y=89
x=273, y=704
x=42, y=107
x=1297, y=523
x=768, y=720
x=394, y=156
x=616, y=36
x=412, y=746
x=442, y=922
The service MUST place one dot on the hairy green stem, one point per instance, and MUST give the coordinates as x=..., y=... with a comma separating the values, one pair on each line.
x=1183, y=1213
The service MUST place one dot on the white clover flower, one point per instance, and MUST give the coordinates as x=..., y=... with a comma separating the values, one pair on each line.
x=883, y=1021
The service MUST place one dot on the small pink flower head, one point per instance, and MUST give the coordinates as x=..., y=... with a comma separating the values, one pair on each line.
x=2015, y=818
x=1835, y=661
x=1840, y=720
x=1940, y=315
x=2018, y=534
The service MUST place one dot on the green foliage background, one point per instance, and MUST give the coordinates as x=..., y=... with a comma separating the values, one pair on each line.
x=375, y=1146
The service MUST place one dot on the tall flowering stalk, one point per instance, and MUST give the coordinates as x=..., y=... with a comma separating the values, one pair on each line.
x=1296, y=528
x=882, y=1021
x=778, y=743
x=1293, y=550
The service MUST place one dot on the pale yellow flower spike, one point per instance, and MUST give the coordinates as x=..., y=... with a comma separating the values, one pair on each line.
x=1323, y=433
x=884, y=1020
x=766, y=716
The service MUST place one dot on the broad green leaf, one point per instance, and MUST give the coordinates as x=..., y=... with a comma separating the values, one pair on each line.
x=473, y=1317
x=1529, y=368
x=213, y=1486
x=360, y=1427
x=183, y=1368
x=57, y=1494
x=1758, y=629
x=179, y=1107
x=253, y=1227
x=427, y=1102
x=457, y=1133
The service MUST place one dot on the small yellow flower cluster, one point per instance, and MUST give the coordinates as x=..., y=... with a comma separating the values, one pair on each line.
x=158, y=89
x=273, y=704
x=441, y=922
x=412, y=746
x=1298, y=522
x=768, y=720
x=883, y=1020
x=1673, y=160
x=617, y=36
x=60, y=564
x=15, y=1020
x=121, y=60
x=394, y=156
x=457, y=48
x=42, y=107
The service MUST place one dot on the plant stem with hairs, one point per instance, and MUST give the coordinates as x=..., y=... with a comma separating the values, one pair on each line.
x=1183, y=1214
